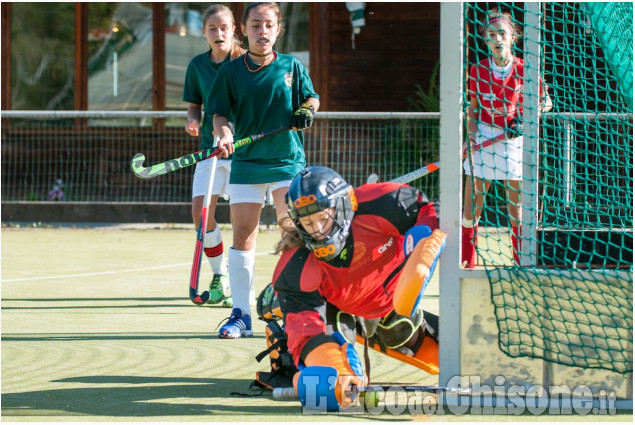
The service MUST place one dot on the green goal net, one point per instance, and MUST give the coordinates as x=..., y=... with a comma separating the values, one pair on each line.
x=553, y=209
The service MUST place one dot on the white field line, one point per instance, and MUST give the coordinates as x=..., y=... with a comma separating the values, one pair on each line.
x=143, y=269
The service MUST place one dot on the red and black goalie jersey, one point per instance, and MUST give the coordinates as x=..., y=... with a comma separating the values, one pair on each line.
x=362, y=279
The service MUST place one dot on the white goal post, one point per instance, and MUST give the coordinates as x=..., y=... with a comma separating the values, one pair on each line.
x=465, y=295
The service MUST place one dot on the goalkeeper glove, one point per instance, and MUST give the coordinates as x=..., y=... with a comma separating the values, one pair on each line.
x=335, y=368
x=303, y=116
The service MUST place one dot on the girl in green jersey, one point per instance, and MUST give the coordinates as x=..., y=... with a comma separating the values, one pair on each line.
x=264, y=90
x=219, y=29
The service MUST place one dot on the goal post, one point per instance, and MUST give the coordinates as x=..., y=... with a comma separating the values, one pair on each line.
x=559, y=312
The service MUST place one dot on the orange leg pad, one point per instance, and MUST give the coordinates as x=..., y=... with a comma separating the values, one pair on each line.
x=426, y=358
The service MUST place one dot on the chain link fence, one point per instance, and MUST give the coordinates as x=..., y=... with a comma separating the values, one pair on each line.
x=83, y=156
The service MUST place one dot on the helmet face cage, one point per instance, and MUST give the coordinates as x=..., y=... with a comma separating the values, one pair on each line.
x=318, y=189
x=315, y=231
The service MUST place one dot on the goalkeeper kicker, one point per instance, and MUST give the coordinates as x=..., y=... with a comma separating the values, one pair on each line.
x=353, y=268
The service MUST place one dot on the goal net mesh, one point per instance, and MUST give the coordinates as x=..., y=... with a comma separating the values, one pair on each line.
x=563, y=288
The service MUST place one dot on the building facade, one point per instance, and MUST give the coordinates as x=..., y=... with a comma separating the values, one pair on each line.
x=133, y=56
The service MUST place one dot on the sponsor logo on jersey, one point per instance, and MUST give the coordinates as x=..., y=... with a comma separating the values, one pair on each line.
x=288, y=78
x=359, y=250
x=324, y=251
x=385, y=246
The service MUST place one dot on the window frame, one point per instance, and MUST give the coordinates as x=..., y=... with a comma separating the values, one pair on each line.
x=318, y=52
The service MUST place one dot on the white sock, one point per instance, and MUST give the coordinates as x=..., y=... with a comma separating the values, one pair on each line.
x=469, y=223
x=241, y=274
x=213, y=245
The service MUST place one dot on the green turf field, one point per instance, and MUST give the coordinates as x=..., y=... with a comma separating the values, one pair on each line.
x=97, y=325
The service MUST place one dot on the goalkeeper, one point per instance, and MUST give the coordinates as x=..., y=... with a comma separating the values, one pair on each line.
x=344, y=276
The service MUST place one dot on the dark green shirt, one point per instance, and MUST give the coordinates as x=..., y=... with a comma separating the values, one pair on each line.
x=261, y=101
x=199, y=78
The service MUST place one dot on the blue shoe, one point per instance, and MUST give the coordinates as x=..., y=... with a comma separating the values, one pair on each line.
x=238, y=325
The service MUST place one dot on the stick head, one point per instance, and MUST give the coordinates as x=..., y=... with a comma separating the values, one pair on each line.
x=373, y=178
x=137, y=166
x=199, y=299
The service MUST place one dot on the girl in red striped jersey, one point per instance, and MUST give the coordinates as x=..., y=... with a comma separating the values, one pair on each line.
x=495, y=108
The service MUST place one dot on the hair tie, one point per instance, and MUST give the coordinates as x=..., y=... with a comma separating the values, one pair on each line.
x=502, y=20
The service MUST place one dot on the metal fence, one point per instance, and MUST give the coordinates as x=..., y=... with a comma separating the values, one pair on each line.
x=84, y=156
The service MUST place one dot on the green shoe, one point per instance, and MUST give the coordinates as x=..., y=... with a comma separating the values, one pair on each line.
x=217, y=288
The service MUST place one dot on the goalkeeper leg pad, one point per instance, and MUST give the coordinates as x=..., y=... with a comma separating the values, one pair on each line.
x=339, y=321
x=394, y=330
x=268, y=305
x=417, y=272
x=282, y=366
x=407, y=339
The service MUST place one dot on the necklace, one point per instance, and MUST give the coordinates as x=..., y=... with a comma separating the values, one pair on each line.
x=260, y=67
x=259, y=55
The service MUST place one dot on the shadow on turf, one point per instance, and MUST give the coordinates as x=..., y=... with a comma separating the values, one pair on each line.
x=144, y=396
x=93, y=303
x=112, y=337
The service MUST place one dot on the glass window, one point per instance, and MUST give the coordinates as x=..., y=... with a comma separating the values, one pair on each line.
x=184, y=40
x=120, y=56
x=295, y=39
x=42, y=56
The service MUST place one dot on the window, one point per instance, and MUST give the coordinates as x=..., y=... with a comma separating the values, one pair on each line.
x=183, y=41
x=295, y=39
x=42, y=56
x=120, y=53
x=119, y=56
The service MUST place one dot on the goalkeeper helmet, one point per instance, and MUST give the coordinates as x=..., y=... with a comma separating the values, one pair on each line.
x=318, y=189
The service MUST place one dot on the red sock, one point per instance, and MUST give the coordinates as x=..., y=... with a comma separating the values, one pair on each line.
x=516, y=244
x=469, y=237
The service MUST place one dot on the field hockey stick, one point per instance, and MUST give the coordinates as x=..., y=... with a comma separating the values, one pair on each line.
x=485, y=144
x=200, y=239
x=190, y=159
x=420, y=172
x=289, y=393
x=408, y=388
x=407, y=178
